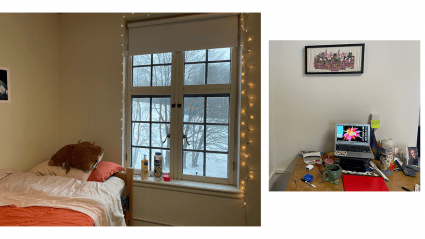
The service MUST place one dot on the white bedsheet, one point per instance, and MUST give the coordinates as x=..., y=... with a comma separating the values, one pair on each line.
x=100, y=201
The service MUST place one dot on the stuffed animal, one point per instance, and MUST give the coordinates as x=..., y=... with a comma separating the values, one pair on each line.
x=62, y=155
x=83, y=155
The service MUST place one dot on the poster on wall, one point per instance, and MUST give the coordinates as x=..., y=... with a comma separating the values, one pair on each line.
x=334, y=59
x=4, y=85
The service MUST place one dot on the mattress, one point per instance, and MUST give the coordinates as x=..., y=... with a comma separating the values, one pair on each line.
x=117, y=184
x=30, y=200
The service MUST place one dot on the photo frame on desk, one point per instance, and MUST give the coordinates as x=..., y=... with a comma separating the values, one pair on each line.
x=334, y=59
x=412, y=156
x=4, y=85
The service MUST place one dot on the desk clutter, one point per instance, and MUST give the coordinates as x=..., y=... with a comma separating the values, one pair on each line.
x=352, y=174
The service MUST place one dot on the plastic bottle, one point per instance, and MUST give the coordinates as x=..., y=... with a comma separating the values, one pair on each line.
x=387, y=157
x=145, y=168
x=157, y=169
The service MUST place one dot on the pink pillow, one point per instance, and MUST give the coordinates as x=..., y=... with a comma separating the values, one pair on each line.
x=104, y=170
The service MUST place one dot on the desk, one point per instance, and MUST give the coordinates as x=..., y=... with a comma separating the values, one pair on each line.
x=397, y=180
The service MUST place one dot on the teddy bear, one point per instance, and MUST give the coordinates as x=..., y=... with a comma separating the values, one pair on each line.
x=83, y=155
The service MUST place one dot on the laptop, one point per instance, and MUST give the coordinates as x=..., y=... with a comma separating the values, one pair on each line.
x=353, y=141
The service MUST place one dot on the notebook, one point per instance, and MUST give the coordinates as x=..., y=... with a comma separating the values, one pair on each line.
x=353, y=141
x=363, y=183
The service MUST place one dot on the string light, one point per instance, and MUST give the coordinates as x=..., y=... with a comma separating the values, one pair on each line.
x=246, y=88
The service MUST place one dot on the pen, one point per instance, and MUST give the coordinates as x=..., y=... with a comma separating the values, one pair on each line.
x=296, y=184
x=307, y=183
x=406, y=189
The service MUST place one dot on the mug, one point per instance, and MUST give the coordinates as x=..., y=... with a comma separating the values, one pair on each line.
x=333, y=173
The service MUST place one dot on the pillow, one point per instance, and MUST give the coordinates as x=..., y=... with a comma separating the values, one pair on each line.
x=44, y=169
x=104, y=170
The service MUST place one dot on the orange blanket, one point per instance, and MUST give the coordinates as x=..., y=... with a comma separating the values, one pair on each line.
x=42, y=216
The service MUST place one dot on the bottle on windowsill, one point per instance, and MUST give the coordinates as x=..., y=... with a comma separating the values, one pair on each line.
x=157, y=166
x=145, y=168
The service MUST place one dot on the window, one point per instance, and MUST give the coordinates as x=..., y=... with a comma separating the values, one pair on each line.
x=184, y=104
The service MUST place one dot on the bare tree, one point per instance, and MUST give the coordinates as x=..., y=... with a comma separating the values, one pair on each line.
x=215, y=136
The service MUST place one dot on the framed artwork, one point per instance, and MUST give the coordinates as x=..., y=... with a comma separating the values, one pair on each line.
x=4, y=85
x=334, y=59
x=412, y=156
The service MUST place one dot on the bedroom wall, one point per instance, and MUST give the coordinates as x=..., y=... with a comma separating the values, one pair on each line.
x=90, y=81
x=304, y=109
x=91, y=92
x=29, y=126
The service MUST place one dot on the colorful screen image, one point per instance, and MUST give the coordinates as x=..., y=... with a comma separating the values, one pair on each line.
x=351, y=133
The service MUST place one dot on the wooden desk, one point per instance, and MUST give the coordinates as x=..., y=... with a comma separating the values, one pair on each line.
x=397, y=180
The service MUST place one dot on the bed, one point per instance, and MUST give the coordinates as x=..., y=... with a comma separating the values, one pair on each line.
x=28, y=199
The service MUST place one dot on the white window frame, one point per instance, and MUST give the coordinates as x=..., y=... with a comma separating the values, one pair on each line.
x=176, y=91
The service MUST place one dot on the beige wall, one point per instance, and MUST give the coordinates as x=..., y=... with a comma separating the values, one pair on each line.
x=66, y=76
x=29, y=126
x=90, y=92
x=305, y=108
x=90, y=79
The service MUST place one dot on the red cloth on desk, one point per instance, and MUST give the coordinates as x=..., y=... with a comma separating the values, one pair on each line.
x=363, y=183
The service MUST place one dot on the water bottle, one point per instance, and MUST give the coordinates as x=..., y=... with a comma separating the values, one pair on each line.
x=157, y=170
x=387, y=157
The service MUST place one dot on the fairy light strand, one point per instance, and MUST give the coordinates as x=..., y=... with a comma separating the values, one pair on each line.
x=246, y=92
x=247, y=113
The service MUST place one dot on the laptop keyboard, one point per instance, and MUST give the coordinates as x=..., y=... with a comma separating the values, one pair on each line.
x=352, y=148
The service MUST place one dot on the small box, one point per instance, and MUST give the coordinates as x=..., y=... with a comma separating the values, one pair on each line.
x=166, y=178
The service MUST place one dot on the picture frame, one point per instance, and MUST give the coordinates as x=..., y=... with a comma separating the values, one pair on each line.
x=334, y=59
x=412, y=156
x=5, y=85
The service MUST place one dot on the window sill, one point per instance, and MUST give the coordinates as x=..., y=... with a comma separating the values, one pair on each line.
x=211, y=189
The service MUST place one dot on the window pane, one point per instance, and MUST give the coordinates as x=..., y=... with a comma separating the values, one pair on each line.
x=141, y=109
x=142, y=60
x=218, y=110
x=161, y=76
x=162, y=58
x=165, y=160
x=195, y=136
x=219, y=54
x=159, y=134
x=194, y=74
x=195, y=56
x=218, y=73
x=193, y=109
x=140, y=134
x=161, y=109
x=217, y=138
x=142, y=76
x=216, y=165
x=137, y=156
x=193, y=163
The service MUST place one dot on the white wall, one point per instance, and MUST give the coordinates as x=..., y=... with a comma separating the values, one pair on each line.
x=304, y=108
x=29, y=126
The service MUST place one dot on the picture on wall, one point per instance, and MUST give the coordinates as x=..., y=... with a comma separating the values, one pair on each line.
x=4, y=85
x=334, y=59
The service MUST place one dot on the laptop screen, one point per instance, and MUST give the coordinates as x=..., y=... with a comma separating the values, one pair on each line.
x=352, y=133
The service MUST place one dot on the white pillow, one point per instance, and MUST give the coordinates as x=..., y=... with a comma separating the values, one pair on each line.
x=44, y=169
